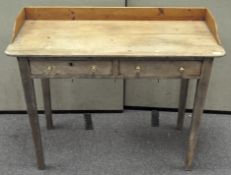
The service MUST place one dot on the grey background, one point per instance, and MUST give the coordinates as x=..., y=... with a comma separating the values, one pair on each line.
x=108, y=94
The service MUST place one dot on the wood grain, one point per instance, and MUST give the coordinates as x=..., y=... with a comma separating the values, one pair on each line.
x=160, y=69
x=212, y=25
x=126, y=69
x=114, y=13
x=20, y=19
x=115, y=39
x=71, y=68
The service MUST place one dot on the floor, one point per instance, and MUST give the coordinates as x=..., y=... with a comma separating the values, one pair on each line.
x=120, y=144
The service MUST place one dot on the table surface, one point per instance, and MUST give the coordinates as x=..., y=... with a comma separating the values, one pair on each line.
x=151, y=38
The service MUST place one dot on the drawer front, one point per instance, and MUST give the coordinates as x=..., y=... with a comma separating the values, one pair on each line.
x=165, y=69
x=69, y=68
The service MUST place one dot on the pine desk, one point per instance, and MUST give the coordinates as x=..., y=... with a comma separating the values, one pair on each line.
x=84, y=42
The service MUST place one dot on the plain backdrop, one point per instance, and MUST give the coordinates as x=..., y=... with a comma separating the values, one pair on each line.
x=76, y=94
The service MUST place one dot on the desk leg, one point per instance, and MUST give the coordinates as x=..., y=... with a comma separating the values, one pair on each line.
x=29, y=91
x=182, y=103
x=88, y=122
x=199, y=102
x=47, y=102
x=155, y=118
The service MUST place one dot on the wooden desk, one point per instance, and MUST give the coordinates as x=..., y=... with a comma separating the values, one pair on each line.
x=66, y=42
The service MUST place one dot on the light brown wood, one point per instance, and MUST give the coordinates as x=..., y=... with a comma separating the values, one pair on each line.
x=199, y=102
x=115, y=39
x=83, y=69
x=212, y=25
x=20, y=19
x=160, y=69
x=114, y=13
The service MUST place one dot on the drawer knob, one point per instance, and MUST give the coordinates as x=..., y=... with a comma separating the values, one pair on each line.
x=93, y=68
x=138, y=69
x=50, y=68
x=181, y=69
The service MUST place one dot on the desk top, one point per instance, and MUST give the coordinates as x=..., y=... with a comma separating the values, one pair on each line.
x=115, y=32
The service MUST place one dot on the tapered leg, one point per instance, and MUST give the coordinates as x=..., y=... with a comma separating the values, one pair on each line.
x=155, y=118
x=47, y=103
x=29, y=91
x=199, y=101
x=88, y=122
x=182, y=103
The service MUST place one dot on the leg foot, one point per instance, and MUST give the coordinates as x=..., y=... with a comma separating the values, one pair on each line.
x=199, y=102
x=188, y=168
x=155, y=119
x=29, y=91
x=88, y=122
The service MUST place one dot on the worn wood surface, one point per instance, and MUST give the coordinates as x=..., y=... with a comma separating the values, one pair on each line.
x=20, y=19
x=210, y=20
x=115, y=13
x=160, y=69
x=182, y=103
x=71, y=68
x=29, y=91
x=199, y=102
x=116, y=69
x=45, y=34
x=47, y=102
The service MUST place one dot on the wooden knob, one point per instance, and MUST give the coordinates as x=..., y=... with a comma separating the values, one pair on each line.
x=181, y=69
x=93, y=68
x=50, y=68
x=138, y=69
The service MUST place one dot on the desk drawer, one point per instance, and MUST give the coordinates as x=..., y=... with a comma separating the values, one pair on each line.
x=69, y=68
x=165, y=69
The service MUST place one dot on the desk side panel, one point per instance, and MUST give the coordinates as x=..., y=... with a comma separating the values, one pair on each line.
x=211, y=22
x=20, y=19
